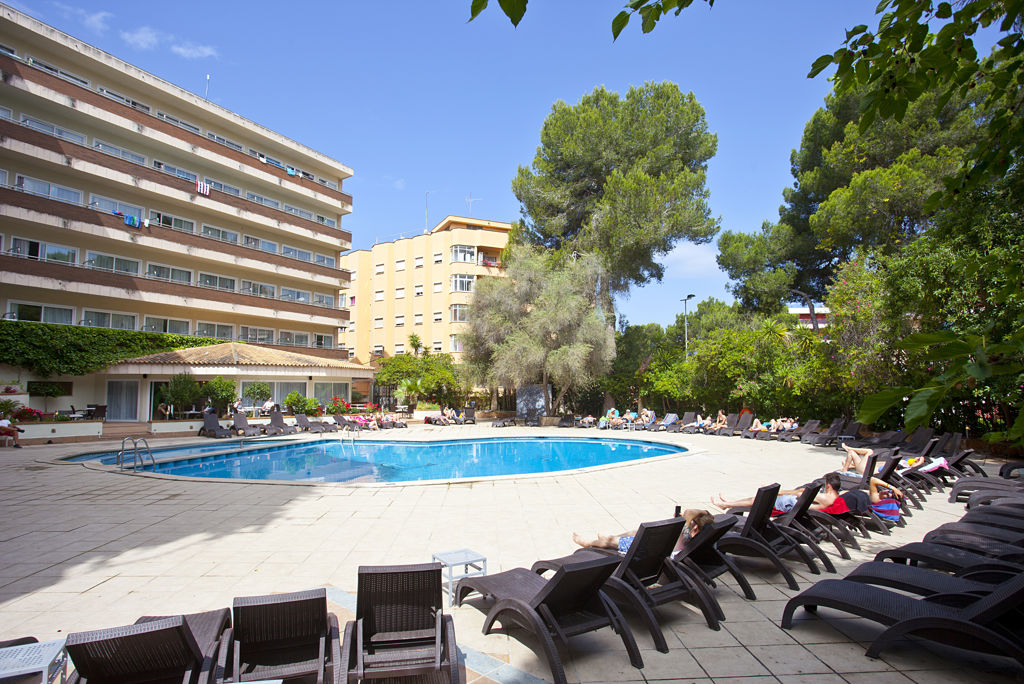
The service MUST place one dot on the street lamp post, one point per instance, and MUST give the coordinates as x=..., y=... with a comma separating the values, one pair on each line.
x=686, y=325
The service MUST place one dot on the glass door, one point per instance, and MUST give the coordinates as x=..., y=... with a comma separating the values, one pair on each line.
x=123, y=400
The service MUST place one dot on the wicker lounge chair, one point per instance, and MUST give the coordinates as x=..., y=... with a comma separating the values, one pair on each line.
x=948, y=558
x=647, y=577
x=242, y=427
x=211, y=426
x=966, y=621
x=277, y=420
x=182, y=648
x=701, y=555
x=831, y=432
x=282, y=636
x=302, y=422
x=731, y=423
x=672, y=419
x=924, y=582
x=399, y=628
x=797, y=435
x=570, y=603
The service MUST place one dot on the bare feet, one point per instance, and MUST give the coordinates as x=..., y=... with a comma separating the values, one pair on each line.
x=580, y=540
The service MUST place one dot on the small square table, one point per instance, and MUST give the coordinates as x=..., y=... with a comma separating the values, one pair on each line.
x=47, y=659
x=472, y=563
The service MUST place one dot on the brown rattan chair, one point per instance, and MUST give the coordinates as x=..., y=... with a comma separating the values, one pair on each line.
x=571, y=602
x=400, y=629
x=277, y=421
x=180, y=649
x=282, y=636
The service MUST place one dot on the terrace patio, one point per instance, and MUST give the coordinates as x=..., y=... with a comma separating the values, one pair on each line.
x=82, y=549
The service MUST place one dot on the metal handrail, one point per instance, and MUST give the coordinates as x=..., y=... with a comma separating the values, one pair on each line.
x=137, y=458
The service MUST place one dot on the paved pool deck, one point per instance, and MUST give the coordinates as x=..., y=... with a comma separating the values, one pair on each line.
x=85, y=549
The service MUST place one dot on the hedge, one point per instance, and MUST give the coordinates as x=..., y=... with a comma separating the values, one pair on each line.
x=50, y=349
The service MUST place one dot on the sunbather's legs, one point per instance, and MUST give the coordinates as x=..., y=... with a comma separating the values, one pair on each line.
x=603, y=541
x=855, y=459
x=723, y=504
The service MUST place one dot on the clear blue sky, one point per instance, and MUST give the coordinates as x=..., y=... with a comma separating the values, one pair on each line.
x=415, y=99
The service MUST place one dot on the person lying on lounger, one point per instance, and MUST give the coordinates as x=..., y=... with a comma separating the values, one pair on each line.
x=696, y=518
x=720, y=422
x=786, y=498
x=882, y=498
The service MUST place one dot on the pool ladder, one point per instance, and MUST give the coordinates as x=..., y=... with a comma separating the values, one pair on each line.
x=137, y=458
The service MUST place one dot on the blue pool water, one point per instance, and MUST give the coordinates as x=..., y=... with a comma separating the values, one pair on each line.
x=110, y=457
x=379, y=461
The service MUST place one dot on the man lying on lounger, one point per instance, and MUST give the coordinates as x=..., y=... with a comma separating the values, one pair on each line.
x=880, y=498
x=786, y=498
x=696, y=518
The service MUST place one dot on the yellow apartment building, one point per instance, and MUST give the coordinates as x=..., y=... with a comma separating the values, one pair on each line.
x=419, y=285
x=128, y=202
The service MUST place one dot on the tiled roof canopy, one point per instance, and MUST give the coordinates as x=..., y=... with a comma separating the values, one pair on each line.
x=239, y=354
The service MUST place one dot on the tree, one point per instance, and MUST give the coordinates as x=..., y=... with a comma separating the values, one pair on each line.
x=221, y=392
x=182, y=390
x=257, y=392
x=540, y=324
x=431, y=375
x=623, y=178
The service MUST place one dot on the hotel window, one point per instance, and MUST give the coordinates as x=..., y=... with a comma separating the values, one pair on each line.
x=171, y=221
x=378, y=269
x=330, y=262
x=41, y=313
x=323, y=300
x=464, y=253
x=175, y=171
x=165, y=325
x=418, y=262
x=303, y=213
x=400, y=265
x=103, y=319
x=256, y=335
x=438, y=316
x=105, y=262
x=52, y=129
x=223, y=187
x=399, y=348
x=460, y=313
x=399, y=320
x=43, y=251
x=438, y=257
x=293, y=339
x=123, y=99
x=218, y=331
x=378, y=322
x=220, y=234
x=329, y=222
x=456, y=343
x=417, y=290
x=216, y=282
x=6, y=113
x=438, y=286
x=462, y=282
x=171, y=119
x=8, y=49
x=56, y=71
x=296, y=253
x=324, y=391
x=323, y=181
x=437, y=346
x=116, y=151
x=260, y=199
x=399, y=293
x=351, y=300
x=323, y=341
x=35, y=186
x=260, y=243
x=378, y=296
x=114, y=207
x=176, y=275
x=223, y=141
x=417, y=319
x=378, y=349
x=258, y=289
x=291, y=295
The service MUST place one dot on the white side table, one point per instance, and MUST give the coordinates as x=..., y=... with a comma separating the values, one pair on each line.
x=471, y=562
x=47, y=659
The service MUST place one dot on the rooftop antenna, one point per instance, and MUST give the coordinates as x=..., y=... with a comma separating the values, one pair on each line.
x=469, y=203
x=206, y=95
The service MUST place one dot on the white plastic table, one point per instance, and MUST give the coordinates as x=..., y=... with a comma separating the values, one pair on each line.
x=472, y=563
x=47, y=659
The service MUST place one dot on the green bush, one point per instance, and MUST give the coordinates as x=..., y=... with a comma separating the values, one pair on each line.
x=8, y=406
x=182, y=391
x=221, y=392
x=295, y=402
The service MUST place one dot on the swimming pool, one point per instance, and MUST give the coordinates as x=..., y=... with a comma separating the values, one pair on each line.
x=390, y=461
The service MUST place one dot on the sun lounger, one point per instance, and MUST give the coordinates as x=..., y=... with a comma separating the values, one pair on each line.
x=211, y=426
x=304, y=423
x=671, y=419
x=731, y=422
x=182, y=648
x=796, y=435
x=242, y=427
x=751, y=539
x=570, y=603
x=277, y=420
x=963, y=620
x=949, y=558
x=701, y=555
x=400, y=629
x=822, y=438
x=282, y=636
x=924, y=581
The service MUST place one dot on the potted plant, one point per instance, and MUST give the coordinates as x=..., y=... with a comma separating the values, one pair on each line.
x=257, y=393
x=180, y=392
x=221, y=392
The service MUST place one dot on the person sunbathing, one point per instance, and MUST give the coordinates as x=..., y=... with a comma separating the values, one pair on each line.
x=882, y=499
x=696, y=519
x=720, y=422
x=785, y=500
x=856, y=459
x=758, y=426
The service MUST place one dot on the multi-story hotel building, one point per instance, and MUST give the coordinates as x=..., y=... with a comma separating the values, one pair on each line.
x=419, y=285
x=128, y=202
